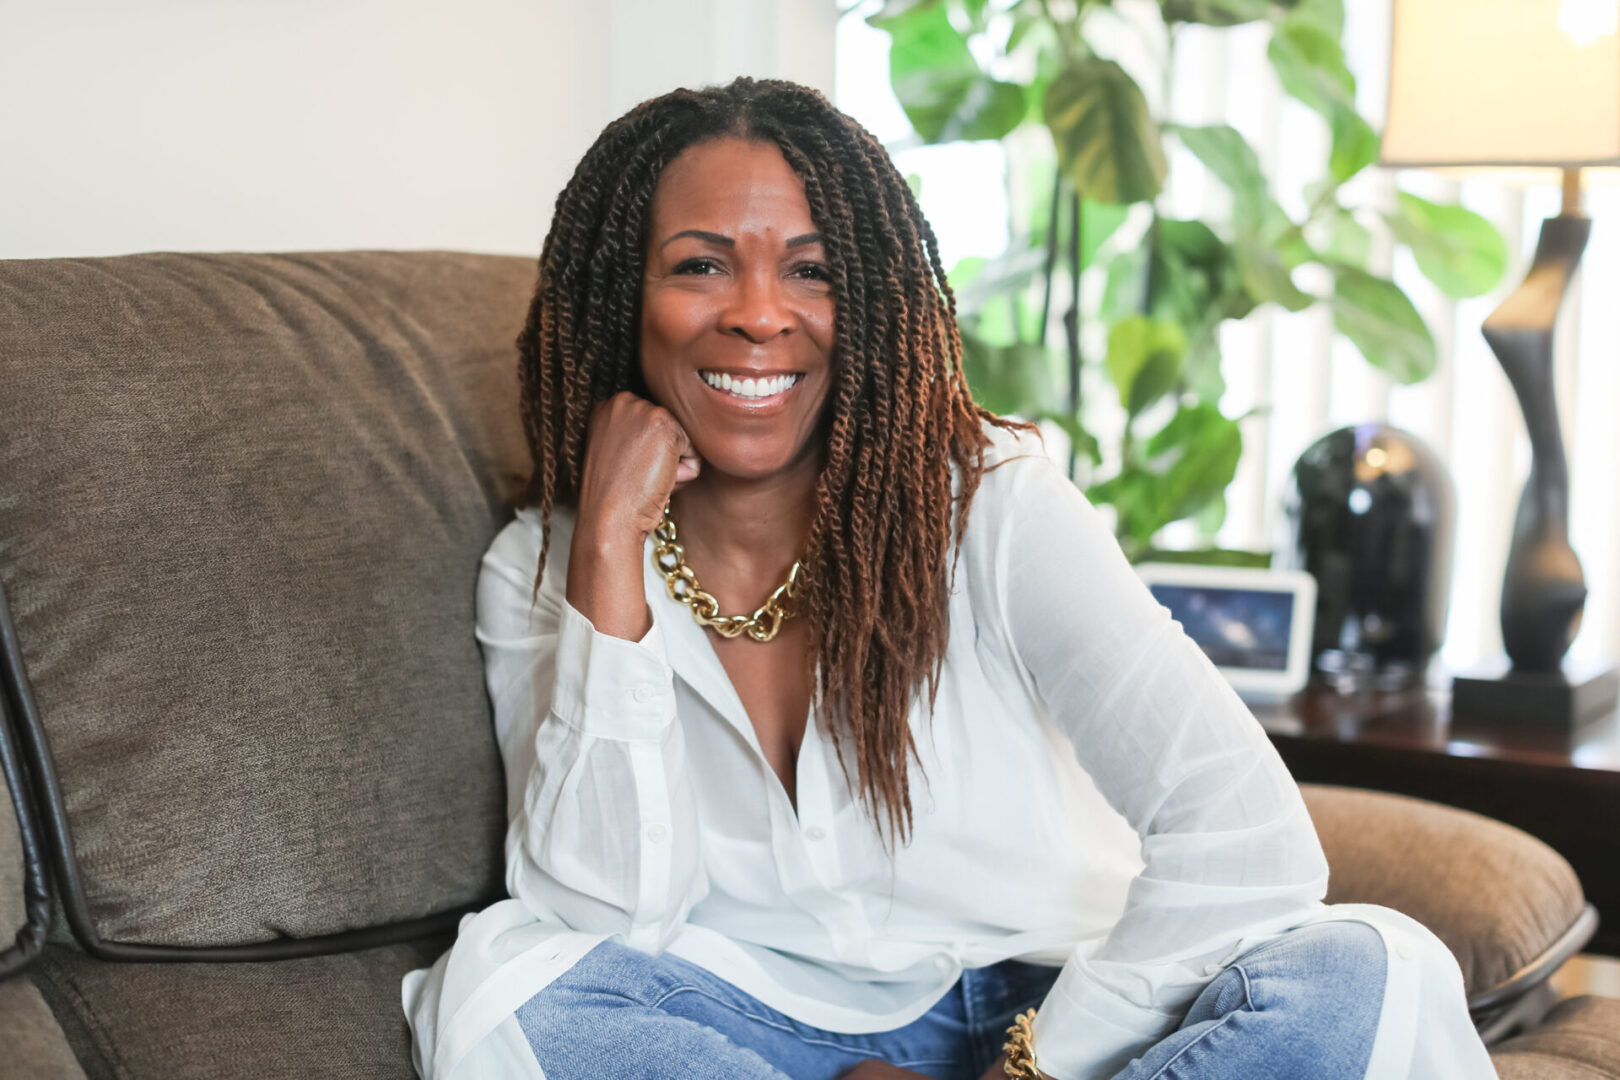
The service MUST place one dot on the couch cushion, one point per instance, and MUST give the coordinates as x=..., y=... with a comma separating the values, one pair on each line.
x=242, y=503
x=333, y=1015
x=24, y=900
x=35, y=1048
x=13, y=871
x=1579, y=1040
x=1497, y=897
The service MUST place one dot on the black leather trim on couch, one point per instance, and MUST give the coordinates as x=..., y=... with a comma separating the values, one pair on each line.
x=35, y=750
x=30, y=938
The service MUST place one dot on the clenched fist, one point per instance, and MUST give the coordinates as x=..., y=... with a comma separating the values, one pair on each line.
x=636, y=454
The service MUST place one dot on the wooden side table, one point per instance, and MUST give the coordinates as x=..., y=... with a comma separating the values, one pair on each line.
x=1561, y=787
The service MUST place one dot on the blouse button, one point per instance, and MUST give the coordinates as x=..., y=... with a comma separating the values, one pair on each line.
x=644, y=693
x=815, y=832
x=656, y=833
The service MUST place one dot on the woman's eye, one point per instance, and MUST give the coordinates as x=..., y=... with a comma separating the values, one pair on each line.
x=813, y=272
x=697, y=266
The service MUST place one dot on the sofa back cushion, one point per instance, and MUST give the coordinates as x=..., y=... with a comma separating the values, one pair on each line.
x=243, y=500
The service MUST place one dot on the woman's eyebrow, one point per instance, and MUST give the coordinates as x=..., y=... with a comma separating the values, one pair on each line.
x=726, y=241
x=711, y=237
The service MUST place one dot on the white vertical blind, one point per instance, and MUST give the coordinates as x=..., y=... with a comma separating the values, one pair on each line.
x=1307, y=379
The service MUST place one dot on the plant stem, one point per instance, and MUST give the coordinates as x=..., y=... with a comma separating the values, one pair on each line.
x=1051, y=256
x=1071, y=318
x=1150, y=282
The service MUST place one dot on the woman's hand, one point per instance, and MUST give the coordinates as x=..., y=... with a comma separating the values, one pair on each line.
x=636, y=454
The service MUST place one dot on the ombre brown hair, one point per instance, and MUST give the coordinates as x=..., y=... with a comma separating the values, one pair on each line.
x=878, y=560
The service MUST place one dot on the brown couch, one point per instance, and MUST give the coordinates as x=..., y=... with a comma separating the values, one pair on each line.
x=251, y=774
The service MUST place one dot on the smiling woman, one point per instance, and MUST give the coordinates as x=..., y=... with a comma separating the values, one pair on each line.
x=950, y=768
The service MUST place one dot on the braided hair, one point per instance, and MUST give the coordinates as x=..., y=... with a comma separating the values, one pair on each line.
x=878, y=558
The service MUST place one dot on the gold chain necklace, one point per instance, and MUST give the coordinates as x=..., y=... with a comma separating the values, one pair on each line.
x=679, y=579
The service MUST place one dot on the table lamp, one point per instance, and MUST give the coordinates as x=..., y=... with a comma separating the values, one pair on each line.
x=1514, y=84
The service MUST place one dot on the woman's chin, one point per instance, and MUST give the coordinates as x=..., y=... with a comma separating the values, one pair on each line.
x=749, y=462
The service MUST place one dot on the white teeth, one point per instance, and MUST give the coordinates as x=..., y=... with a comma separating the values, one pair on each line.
x=750, y=387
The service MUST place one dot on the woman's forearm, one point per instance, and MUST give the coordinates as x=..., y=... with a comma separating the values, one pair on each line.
x=605, y=581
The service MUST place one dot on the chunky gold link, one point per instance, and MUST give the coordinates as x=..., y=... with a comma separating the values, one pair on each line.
x=1020, y=1048
x=681, y=582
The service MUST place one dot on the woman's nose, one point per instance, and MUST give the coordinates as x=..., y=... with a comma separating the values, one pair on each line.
x=758, y=309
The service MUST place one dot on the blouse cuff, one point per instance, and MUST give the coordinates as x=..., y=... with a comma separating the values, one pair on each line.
x=1083, y=1029
x=609, y=687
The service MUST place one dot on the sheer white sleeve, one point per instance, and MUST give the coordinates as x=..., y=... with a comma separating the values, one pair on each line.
x=603, y=828
x=1229, y=850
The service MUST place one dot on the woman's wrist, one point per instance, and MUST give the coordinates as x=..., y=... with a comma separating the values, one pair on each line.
x=605, y=582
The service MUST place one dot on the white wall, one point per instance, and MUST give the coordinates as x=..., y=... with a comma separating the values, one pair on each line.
x=282, y=125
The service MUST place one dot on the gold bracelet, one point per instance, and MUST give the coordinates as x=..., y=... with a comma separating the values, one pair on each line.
x=1020, y=1048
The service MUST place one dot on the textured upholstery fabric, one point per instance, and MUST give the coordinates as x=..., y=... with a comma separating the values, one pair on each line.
x=334, y=1016
x=32, y=1045
x=1580, y=1040
x=13, y=902
x=1496, y=896
x=242, y=504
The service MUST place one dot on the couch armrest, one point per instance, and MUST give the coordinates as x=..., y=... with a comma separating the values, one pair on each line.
x=1580, y=1040
x=1507, y=905
x=35, y=1048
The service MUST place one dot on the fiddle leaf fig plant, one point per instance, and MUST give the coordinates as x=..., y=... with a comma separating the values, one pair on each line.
x=989, y=69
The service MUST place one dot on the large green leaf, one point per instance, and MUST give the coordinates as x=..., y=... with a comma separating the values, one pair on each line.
x=1227, y=154
x=1337, y=237
x=945, y=94
x=1215, y=12
x=1098, y=222
x=1188, y=465
x=1107, y=142
x=1354, y=144
x=1197, y=279
x=1020, y=378
x=1458, y=250
x=1199, y=450
x=977, y=281
x=1325, y=15
x=1310, y=65
x=1377, y=316
x=1309, y=61
x=1144, y=360
x=1266, y=276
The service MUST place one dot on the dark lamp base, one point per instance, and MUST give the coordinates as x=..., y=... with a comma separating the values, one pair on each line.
x=1584, y=690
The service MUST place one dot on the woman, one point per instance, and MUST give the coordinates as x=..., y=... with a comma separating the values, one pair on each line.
x=956, y=764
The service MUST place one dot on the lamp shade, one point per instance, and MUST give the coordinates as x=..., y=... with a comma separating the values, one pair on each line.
x=1504, y=82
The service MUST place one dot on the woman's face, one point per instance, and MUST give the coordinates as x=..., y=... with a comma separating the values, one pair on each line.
x=737, y=309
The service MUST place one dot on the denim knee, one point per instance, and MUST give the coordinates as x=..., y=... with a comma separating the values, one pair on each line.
x=1326, y=981
x=610, y=973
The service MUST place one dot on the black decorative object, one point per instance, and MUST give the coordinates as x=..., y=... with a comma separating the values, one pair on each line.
x=1371, y=515
x=1543, y=590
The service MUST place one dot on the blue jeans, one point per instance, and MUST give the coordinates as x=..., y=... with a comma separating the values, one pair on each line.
x=1306, y=1004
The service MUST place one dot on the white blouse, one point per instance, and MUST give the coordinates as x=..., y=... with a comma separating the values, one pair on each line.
x=1090, y=793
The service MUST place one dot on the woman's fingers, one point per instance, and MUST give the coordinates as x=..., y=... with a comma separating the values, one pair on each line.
x=687, y=468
